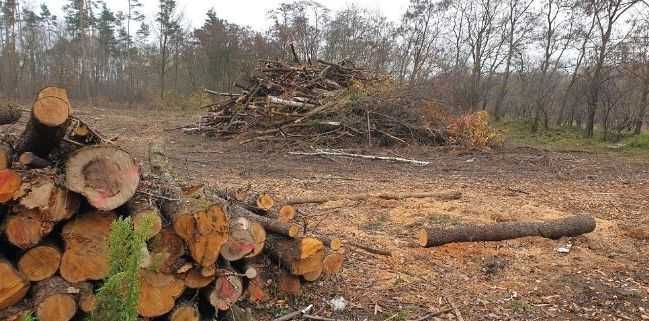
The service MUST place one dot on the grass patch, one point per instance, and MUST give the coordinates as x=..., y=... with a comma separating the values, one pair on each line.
x=443, y=219
x=520, y=306
x=570, y=138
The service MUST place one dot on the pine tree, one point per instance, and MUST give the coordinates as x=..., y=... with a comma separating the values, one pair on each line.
x=168, y=27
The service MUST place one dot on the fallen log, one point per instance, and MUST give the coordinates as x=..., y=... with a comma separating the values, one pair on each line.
x=105, y=174
x=555, y=229
x=286, y=213
x=444, y=196
x=335, y=153
x=204, y=228
x=27, y=228
x=194, y=279
x=303, y=256
x=167, y=250
x=241, y=241
x=31, y=160
x=10, y=183
x=47, y=124
x=9, y=115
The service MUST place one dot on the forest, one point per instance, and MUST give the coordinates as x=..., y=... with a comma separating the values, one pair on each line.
x=581, y=63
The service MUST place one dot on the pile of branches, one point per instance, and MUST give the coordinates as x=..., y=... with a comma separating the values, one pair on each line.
x=324, y=103
x=62, y=186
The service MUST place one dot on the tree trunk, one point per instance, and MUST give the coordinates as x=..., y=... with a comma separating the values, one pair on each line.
x=106, y=175
x=86, y=247
x=226, y=291
x=46, y=127
x=644, y=101
x=167, y=250
x=570, y=226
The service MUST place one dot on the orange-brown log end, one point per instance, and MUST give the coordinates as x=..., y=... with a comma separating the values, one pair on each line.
x=10, y=182
x=265, y=201
x=287, y=213
x=422, y=238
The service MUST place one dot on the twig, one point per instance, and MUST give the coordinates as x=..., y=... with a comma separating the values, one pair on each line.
x=319, y=318
x=456, y=311
x=295, y=314
x=160, y=196
x=321, y=152
x=434, y=314
x=392, y=317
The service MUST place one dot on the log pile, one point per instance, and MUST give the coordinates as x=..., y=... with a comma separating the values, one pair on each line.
x=62, y=185
x=328, y=103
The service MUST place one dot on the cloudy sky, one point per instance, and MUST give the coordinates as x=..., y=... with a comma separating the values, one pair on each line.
x=245, y=12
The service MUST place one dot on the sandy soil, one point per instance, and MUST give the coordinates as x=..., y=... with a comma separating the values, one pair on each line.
x=604, y=277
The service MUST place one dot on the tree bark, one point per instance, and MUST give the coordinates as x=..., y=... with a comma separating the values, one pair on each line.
x=570, y=226
x=55, y=300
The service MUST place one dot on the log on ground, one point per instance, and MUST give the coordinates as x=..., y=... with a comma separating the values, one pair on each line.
x=13, y=285
x=555, y=229
x=55, y=300
x=40, y=263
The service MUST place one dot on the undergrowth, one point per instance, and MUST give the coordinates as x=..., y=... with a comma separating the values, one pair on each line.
x=117, y=299
x=569, y=138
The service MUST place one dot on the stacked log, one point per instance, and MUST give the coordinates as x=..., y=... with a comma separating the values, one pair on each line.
x=61, y=188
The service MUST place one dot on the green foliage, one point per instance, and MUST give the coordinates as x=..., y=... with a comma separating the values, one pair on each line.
x=637, y=142
x=29, y=317
x=117, y=299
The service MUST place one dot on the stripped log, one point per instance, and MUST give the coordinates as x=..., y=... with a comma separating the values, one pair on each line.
x=47, y=124
x=158, y=293
x=555, y=229
x=55, y=300
x=40, y=263
x=106, y=175
x=86, y=247
x=443, y=196
x=13, y=285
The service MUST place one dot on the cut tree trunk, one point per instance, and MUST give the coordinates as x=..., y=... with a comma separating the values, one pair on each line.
x=167, y=250
x=204, y=228
x=185, y=312
x=158, y=293
x=9, y=115
x=269, y=224
x=13, y=285
x=40, y=192
x=47, y=124
x=287, y=213
x=444, y=196
x=40, y=263
x=226, y=291
x=333, y=263
x=290, y=284
x=106, y=175
x=55, y=300
x=143, y=210
x=86, y=247
x=555, y=229
x=87, y=297
x=10, y=183
x=195, y=280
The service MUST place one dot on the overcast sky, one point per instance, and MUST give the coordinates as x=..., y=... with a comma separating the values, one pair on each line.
x=244, y=12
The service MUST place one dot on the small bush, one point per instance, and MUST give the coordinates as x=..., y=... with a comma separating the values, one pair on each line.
x=117, y=299
x=638, y=141
x=474, y=132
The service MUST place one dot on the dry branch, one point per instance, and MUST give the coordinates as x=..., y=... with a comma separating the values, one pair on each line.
x=445, y=196
x=336, y=153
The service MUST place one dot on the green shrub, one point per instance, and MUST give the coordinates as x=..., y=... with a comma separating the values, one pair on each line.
x=117, y=299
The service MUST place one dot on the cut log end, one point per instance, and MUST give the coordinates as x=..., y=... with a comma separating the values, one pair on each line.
x=10, y=182
x=106, y=175
x=13, y=285
x=26, y=229
x=194, y=279
x=148, y=220
x=422, y=237
x=265, y=201
x=185, y=312
x=336, y=244
x=227, y=290
x=294, y=230
x=57, y=307
x=40, y=263
x=287, y=213
x=52, y=107
x=333, y=263
x=158, y=293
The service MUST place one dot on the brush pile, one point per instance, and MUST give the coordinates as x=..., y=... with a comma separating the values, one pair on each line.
x=320, y=104
x=62, y=185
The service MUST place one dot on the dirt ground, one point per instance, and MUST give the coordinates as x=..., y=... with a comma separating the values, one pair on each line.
x=604, y=277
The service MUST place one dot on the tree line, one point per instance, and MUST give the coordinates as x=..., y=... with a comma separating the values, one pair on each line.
x=582, y=63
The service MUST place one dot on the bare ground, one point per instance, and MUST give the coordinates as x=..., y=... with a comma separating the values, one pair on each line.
x=604, y=277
